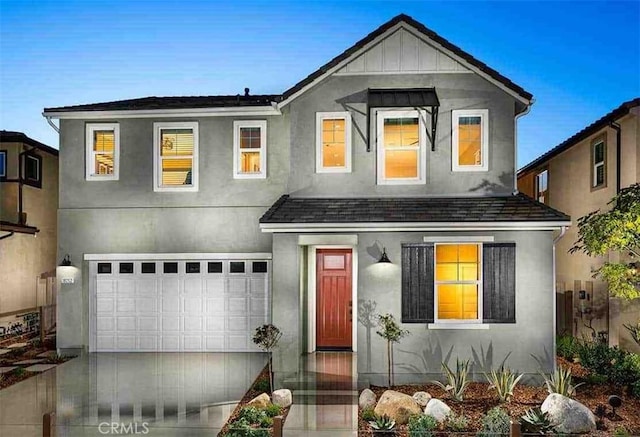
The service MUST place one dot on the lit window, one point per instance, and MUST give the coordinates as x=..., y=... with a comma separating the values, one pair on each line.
x=333, y=142
x=599, y=164
x=175, y=156
x=542, y=186
x=470, y=140
x=250, y=149
x=3, y=164
x=458, y=282
x=401, y=147
x=103, y=151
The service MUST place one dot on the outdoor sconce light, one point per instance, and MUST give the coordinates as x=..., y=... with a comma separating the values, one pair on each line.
x=384, y=258
x=66, y=262
x=66, y=270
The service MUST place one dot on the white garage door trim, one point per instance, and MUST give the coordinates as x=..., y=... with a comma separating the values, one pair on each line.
x=197, y=311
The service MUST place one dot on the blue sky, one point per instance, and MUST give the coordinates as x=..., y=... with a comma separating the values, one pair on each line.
x=579, y=59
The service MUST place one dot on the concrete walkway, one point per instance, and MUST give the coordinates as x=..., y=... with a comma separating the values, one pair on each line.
x=172, y=394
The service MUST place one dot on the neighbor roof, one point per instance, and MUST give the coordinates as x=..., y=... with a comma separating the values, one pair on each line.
x=593, y=128
x=150, y=103
x=7, y=136
x=515, y=208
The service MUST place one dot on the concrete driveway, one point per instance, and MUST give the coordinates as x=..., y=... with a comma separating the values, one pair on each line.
x=155, y=394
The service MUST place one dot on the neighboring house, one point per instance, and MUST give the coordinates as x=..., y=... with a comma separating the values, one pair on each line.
x=581, y=175
x=28, y=219
x=193, y=220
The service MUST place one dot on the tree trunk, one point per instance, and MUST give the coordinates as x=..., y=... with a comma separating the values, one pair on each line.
x=270, y=373
x=389, y=362
x=392, y=364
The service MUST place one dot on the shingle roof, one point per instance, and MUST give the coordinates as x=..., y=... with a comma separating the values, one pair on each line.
x=427, y=32
x=594, y=127
x=516, y=208
x=187, y=102
x=7, y=136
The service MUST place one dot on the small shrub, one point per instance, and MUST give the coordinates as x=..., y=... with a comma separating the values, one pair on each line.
x=456, y=423
x=495, y=422
x=535, y=421
x=252, y=415
x=503, y=382
x=621, y=431
x=368, y=414
x=597, y=357
x=595, y=379
x=273, y=410
x=262, y=385
x=266, y=422
x=634, y=389
x=561, y=382
x=567, y=347
x=422, y=425
x=242, y=428
x=457, y=381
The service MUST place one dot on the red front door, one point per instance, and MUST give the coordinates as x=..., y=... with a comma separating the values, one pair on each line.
x=333, y=290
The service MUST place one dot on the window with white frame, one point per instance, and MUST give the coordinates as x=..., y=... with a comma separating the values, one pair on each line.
x=333, y=142
x=102, y=151
x=542, y=186
x=458, y=282
x=250, y=149
x=175, y=152
x=401, y=144
x=599, y=170
x=470, y=140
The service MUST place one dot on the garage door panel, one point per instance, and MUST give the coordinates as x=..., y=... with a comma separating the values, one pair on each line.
x=215, y=307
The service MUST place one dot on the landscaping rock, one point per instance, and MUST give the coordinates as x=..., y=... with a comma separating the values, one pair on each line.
x=437, y=409
x=260, y=401
x=282, y=397
x=398, y=406
x=568, y=416
x=422, y=398
x=367, y=399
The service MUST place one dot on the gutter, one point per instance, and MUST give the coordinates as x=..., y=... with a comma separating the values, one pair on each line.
x=563, y=231
x=616, y=127
x=515, y=135
x=55, y=128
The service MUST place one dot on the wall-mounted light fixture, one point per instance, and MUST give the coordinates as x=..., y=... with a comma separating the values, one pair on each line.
x=66, y=262
x=384, y=258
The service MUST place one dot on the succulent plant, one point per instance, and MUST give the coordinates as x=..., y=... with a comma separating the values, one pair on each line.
x=383, y=423
x=535, y=421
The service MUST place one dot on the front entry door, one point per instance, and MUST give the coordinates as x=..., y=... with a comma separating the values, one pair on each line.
x=333, y=290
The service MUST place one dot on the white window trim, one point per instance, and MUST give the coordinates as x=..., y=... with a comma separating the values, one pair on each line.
x=3, y=170
x=157, y=167
x=422, y=147
x=538, y=184
x=596, y=165
x=484, y=148
x=38, y=177
x=478, y=282
x=90, y=154
x=262, y=124
x=320, y=117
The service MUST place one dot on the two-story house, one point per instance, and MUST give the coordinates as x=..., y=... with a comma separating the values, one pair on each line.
x=28, y=220
x=384, y=179
x=578, y=176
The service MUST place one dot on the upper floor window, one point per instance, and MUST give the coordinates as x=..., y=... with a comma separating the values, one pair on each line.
x=103, y=151
x=175, y=152
x=250, y=149
x=542, y=186
x=3, y=164
x=599, y=163
x=470, y=140
x=333, y=142
x=401, y=144
x=32, y=170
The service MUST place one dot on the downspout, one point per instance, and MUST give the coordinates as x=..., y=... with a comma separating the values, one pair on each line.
x=616, y=127
x=563, y=230
x=515, y=151
x=55, y=128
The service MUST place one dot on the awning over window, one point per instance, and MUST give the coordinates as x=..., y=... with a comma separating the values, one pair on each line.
x=419, y=98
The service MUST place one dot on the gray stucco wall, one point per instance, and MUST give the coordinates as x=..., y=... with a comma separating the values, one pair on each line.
x=455, y=91
x=419, y=355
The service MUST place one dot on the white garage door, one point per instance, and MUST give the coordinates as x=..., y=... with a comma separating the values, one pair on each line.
x=177, y=305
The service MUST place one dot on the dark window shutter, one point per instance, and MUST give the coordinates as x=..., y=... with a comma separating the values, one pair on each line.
x=499, y=283
x=417, y=283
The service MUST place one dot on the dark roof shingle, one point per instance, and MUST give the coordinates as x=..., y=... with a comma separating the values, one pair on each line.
x=518, y=208
x=7, y=136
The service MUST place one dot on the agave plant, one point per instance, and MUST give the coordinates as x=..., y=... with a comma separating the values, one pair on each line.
x=561, y=382
x=383, y=425
x=503, y=382
x=457, y=381
x=535, y=421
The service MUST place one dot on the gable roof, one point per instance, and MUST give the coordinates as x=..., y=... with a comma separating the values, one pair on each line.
x=7, y=136
x=422, y=29
x=593, y=128
x=224, y=101
x=444, y=210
